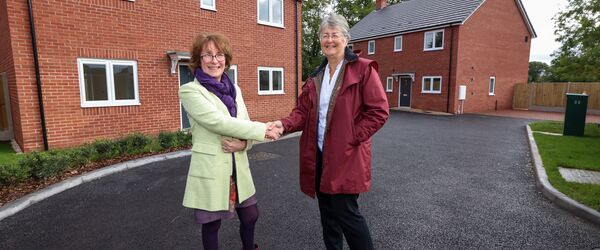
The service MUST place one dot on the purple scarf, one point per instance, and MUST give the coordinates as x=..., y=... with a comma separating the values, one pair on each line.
x=225, y=91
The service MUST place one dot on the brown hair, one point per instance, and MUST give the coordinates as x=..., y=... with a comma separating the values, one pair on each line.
x=220, y=41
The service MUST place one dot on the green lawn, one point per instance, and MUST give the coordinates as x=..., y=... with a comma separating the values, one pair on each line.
x=7, y=154
x=570, y=152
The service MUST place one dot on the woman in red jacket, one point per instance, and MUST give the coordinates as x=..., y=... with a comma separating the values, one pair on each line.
x=341, y=106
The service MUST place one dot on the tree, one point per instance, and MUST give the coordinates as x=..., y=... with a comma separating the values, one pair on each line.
x=312, y=14
x=355, y=10
x=538, y=72
x=578, y=29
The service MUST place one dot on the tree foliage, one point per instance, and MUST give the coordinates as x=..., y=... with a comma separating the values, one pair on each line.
x=355, y=10
x=578, y=29
x=312, y=14
x=539, y=72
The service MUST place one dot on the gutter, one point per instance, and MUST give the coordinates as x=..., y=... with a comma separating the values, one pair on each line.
x=38, y=81
x=296, y=49
x=450, y=69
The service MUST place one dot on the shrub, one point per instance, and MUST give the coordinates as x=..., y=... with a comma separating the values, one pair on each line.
x=45, y=164
x=80, y=156
x=184, y=139
x=135, y=143
x=13, y=173
x=167, y=139
x=104, y=149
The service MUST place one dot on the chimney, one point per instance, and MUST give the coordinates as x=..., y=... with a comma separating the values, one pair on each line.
x=380, y=4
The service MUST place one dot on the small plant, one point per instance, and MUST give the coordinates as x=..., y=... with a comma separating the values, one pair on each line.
x=45, y=164
x=167, y=139
x=104, y=149
x=13, y=173
x=135, y=143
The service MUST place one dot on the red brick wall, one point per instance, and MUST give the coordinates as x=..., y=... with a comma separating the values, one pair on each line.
x=492, y=43
x=412, y=59
x=141, y=31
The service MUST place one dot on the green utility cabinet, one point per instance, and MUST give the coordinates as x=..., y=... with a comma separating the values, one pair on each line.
x=575, y=114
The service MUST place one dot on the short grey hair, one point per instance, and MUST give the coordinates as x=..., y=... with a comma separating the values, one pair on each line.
x=334, y=20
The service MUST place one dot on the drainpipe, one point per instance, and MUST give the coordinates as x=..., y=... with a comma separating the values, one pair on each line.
x=296, y=49
x=37, y=75
x=450, y=68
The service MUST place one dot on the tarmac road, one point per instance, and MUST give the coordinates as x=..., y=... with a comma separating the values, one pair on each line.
x=439, y=182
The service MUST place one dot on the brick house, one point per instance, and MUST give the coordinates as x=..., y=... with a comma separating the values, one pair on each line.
x=111, y=67
x=428, y=49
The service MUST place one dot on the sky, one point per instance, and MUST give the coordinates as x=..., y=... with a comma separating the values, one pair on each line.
x=540, y=14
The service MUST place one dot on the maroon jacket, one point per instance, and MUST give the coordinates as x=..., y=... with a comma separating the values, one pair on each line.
x=358, y=108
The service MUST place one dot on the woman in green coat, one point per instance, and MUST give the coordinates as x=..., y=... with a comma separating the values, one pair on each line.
x=219, y=179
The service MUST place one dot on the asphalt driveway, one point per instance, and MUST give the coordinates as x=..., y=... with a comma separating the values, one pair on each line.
x=439, y=182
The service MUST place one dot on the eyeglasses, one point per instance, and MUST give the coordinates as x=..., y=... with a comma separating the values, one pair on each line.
x=333, y=36
x=209, y=58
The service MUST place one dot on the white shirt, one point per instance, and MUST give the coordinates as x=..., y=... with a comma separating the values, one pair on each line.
x=326, y=89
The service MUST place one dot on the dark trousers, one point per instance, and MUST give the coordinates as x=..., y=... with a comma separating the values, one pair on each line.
x=340, y=216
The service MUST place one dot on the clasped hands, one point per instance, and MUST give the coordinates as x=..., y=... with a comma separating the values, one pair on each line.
x=274, y=130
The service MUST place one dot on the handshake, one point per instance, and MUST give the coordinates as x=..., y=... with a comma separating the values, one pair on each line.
x=274, y=130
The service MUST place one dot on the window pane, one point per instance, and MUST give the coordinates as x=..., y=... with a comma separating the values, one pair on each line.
x=428, y=40
x=263, y=80
x=438, y=39
x=437, y=84
x=208, y=2
x=277, y=80
x=94, y=76
x=398, y=43
x=389, y=83
x=263, y=10
x=231, y=74
x=124, y=87
x=427, y=84
x=371, y=47
x=492, y=83
x=276, y=6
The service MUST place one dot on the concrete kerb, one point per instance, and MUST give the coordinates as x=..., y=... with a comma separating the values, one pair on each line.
x=551, y=193
x=15, y=206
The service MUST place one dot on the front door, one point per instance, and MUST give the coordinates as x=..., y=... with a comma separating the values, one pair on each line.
x=185, y=76
x=405, y=88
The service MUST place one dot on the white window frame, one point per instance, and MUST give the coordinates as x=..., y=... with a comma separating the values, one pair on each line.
x=109, y=83
x=433, y=43
x=212, y=7
x=235, y=74
x=369, y=47
x=431, y=90
x=270, y=91
x=270, y=22
x=492, y=86
x=389, y=84
x=351, y=46
x=396, y=43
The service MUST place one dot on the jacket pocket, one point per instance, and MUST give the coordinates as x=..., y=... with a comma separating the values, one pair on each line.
x=204, y=162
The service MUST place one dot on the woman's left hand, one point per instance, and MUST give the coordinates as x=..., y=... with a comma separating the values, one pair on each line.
x=231, y=145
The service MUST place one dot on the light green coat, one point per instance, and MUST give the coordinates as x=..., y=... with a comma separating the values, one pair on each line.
x=207, y=185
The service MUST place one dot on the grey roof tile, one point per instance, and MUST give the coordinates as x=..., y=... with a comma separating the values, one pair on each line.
x=413, y=15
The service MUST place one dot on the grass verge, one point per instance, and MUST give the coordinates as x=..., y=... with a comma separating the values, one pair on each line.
x=570, y=152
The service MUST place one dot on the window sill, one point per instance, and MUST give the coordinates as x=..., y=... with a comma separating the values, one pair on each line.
x=208, y=8
x=430, y=92
x=271, y=93
x=106, y=105
x=276, y=25
x=433, y=49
